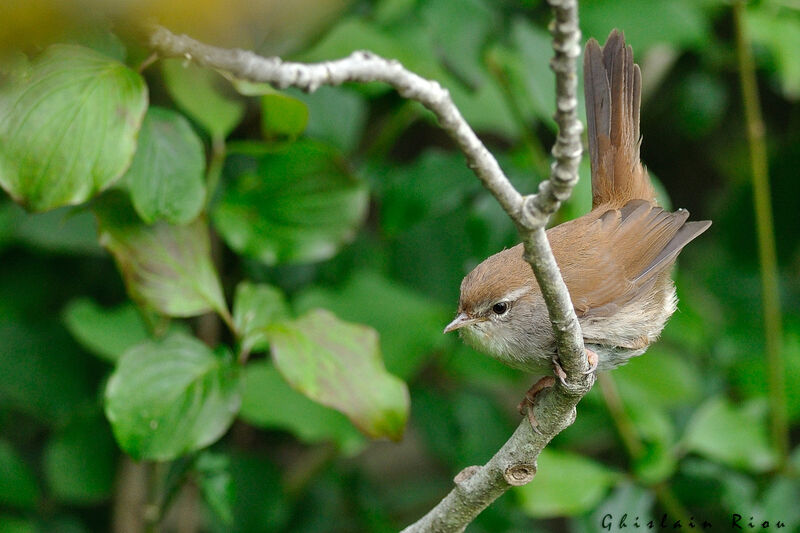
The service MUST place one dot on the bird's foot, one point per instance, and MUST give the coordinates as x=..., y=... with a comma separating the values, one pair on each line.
x=593, y=359
x=558, y=371
x=526, y=405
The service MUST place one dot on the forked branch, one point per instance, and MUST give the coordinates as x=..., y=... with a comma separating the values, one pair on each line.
x=515, y=463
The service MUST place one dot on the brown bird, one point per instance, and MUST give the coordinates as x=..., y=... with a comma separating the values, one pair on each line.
x=615, y=260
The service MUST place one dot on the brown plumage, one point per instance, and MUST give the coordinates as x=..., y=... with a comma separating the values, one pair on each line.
x=615, y=260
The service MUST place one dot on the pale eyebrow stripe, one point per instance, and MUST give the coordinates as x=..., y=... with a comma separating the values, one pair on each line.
x=515, y=294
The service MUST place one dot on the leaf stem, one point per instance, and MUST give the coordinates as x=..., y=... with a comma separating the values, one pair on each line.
x=149, y=60
x=766, y=237
x=217, y=159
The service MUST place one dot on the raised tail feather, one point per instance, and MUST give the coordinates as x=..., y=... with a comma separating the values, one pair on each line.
x=613, y=88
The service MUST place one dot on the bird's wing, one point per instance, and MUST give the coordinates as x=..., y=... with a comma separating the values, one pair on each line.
x=622, y=251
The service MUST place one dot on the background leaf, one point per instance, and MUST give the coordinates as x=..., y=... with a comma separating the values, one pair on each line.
x=196, y=91
x=299, y=205
x=778, y=29
x=728, y=434
x=41, y=372
x=80, y=461
x=65, y=230
x=326, y=107
x=68, y=130
x=269, y=402
x=338, y=364
x=167, y=268
x=410, y=325
x=17, y=482
x=565, y=484
x=216, y=484
x=282, y=116
x=255, y=307
x=172, y=397
x=105, y=332
x=165, y=178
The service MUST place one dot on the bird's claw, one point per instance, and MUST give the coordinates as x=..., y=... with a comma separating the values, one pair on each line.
x=525, y=407
x=593, y=359
x=558, y=371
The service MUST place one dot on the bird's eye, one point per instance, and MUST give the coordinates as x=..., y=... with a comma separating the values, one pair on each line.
x=500, y=307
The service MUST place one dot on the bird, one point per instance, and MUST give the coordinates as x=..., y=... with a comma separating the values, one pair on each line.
x=616, y=260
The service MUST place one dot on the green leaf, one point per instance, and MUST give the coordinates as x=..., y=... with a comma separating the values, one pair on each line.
x=107, y=333
x=751, y=380
x=565, y=484
x=730, y=435
x=68, y=130
x=530, y=63
x=165, y=179
x=779, y=31
x=679, y=23
x=261, y=503
x=167, y=268
x=216, y=484
x=338, y=364
x=269, y=402
x=326, y=107
x=352, y=33
x=64, y=523
x=626, y=499
x=471, y=367
x=12, y=524
x=64, y=231
x=80, y=462
x=247, y=88
x=195, y=91
x=459, y=31
x=780, y=500
x=172, y=397
x=42, y=373
x=410, y=196
x=459, y=427
x=282, y=116
x=254, y=308
x=301, y=205
x=17, y=482
x=409, y=324
x=659, y=377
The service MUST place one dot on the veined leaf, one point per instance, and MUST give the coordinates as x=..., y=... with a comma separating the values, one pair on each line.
x=194, y=90
x=166, y=176
x=255, y=307
x=172, y=397
x=299, y=205
x=165, y=267
x=68, y=129
x=339, y=365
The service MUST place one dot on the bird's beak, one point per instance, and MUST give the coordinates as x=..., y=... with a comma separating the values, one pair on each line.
x=463, y=319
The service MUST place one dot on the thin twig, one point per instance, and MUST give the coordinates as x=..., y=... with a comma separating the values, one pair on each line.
x=363, y=67
x=515, y=463
x=766, y=238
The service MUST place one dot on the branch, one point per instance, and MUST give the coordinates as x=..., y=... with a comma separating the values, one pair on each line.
x=515, y=463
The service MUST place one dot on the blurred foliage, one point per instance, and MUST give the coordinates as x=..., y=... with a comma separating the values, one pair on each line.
x=329, y=233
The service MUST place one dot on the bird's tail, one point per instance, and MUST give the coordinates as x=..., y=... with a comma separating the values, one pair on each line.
x=613, y=88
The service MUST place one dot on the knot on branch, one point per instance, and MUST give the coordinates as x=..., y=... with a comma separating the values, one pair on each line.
x=564, y=178
x=519, y=474
x=531, y=215
x=465, y=474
